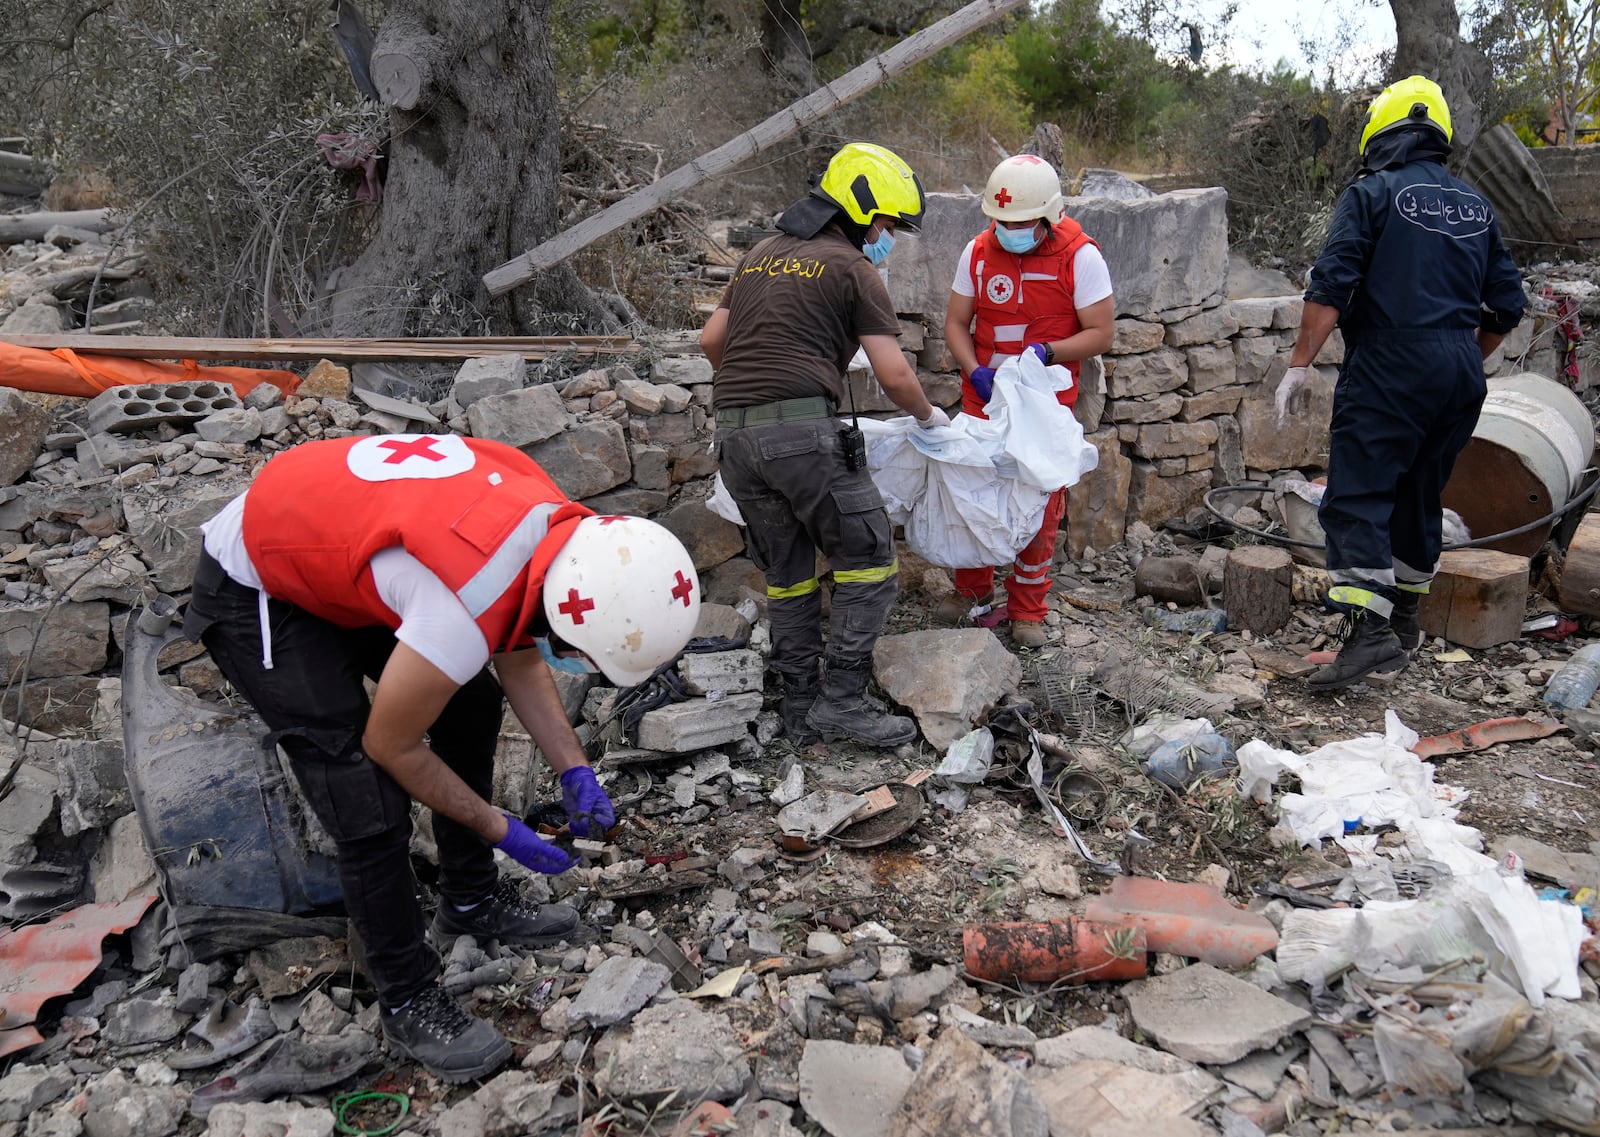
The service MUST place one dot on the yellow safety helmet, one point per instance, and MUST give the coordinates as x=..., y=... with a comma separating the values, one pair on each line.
x=864, y=180
x=1412, y=101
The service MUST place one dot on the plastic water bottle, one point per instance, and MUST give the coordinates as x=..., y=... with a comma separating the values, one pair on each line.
x=1574, y=685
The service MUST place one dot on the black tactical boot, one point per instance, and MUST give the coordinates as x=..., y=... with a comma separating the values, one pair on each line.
x=1370, y=648
x=433, y=1030
x=506, y=917
x=1404, y=621
x=799, y=695
x=846, y=711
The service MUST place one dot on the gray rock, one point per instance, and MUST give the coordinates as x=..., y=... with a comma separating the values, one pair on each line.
x=24, y=422
x=675, y=399
x=122, y=866
x=1096, y=181
x=986, y=1032
x=268, y=1119
x=617, y=989
x=119, y=1108
x=144, y=1019
x=962, y=1089
x=237, y=424
x=852, y=1091
x=513, y=1102
x=642, y=398
x=167, y=529
x=121, y=577
x=730, y=672
x=710, y=539
x=25, y=810
x=721, y=621
x=677, y=1047
x=263, y=396
x=1094, y=1042
x=590, y=458
x=689, y=370
x=38, y=317
x=629, y=501
x=1261, y=1072
x=946, y=677
x=72, y=640
x=519, y=418
x=1153, y=372
x=488, y=376
x=1303, y=442
x=194, y=989
x=694, y=725
x=93, y=782
x=1179, y=1011
x=28, y=1088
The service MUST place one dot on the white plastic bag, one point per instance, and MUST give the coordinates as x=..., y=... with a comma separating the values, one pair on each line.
x=722, y=504
x=1041, y=441
x=969, y=516
x=899, y=469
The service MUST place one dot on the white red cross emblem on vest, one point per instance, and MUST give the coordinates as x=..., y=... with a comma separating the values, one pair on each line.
x=400, y=457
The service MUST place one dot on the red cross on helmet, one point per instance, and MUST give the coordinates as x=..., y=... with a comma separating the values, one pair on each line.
x=623, y=591
x=1022, y=188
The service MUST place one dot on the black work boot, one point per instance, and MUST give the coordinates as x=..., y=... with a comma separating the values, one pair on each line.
x=1404, y=621
x=433, y=1030
x=1370, y=648
x=846, y=711
x=799, y=695
x=506, y=917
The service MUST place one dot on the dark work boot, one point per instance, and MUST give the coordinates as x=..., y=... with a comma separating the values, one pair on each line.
x=1404, y=621
x=433, y=1030
x=506, y=917
x=844, y=710
x=1370, y=648
x=798, y=697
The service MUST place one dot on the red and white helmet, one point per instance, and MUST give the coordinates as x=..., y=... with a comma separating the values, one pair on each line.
x=623, y=591
x=1022, y=188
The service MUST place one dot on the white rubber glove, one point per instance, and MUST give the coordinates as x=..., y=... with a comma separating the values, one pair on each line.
x=1292, y=394
x=936, y=418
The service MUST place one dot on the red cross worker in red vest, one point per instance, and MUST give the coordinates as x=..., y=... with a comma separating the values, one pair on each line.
x=1033, y=281
x=455, y=575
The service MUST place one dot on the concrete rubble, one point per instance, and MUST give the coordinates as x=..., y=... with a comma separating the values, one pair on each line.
x=807, y=988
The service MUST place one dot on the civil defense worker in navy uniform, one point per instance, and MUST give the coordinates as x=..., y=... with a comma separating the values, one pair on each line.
x=799, y=305
x=1415, y=274
x=414, y=561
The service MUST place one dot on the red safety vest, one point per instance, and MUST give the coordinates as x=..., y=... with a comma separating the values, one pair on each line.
x=481, y=515
x=1027, y=298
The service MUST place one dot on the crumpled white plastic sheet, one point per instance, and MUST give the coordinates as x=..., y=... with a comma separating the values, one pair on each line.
x=1480, y=909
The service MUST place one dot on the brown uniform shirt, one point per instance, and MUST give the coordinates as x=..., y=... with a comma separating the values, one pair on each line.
x=797, y=310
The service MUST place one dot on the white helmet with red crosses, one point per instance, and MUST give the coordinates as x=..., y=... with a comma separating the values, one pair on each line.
x=624, y=592
x=1022, y=188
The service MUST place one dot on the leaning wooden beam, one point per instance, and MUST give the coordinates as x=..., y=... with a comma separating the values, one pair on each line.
x=820, y=102
x=375, y=350
x=33, y=226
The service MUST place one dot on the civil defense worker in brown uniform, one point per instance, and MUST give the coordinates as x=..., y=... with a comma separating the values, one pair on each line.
x=799, y=305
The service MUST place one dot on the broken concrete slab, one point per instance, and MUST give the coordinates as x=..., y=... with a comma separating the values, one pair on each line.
x=731, y=672
x=1569, y=870
x=25, y=1089
x=1262, y=1072
x=513, y=1102
x=1098, y=1042
x=962, y=1089
x=699, y=723
x=677, y=1048
x=850, y=1090
x=946, y=677
x=1180, y=1012
x=268, y=1119
x=617, y=989
x=986, y=1032
x=1086, y=1095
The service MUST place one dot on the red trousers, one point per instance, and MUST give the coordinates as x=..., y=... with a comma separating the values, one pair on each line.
x=1029, y=582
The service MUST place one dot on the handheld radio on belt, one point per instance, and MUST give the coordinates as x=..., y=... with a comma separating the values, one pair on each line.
x=851, y=440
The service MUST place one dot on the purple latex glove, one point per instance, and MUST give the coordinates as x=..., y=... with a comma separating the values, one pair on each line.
x=532, y=851
x=1039, y=350
x=589, y=810
x=982, y=380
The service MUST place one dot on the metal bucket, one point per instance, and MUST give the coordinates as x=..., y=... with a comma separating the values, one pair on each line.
x=1533, y=441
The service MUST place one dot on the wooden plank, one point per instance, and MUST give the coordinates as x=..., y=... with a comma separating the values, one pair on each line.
x=181, y=347
x=824, y=100
x=18, y=227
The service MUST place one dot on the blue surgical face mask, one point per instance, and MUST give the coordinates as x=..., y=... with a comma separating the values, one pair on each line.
x=1018, y=240
x=878, y=251
x=572, y=665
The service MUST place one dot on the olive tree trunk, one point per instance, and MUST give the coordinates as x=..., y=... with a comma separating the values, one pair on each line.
x=1428, y=42
x=473, y=177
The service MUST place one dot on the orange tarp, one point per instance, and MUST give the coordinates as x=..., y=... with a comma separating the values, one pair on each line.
x=67, y=372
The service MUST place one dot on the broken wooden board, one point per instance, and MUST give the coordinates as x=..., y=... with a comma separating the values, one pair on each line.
x=442, y=347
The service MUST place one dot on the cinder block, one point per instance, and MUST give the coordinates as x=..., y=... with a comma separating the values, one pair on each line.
x=124, y=409
x=731, y=672
x=699, y=723
x=1477, y=599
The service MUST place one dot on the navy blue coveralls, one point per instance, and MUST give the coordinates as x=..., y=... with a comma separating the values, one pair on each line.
x=1414, y=263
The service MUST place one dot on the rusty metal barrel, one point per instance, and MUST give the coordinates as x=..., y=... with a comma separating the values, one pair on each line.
x=1526, y=459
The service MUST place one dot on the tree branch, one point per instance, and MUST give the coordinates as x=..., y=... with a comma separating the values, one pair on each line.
x=829, y=41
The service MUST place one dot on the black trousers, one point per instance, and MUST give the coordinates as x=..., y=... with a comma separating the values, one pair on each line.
x=315, y=705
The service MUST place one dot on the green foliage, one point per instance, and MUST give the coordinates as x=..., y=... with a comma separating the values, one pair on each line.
x=985, y=99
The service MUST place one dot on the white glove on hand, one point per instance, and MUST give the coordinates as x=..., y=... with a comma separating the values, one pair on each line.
x=1292, y=394
x=937, y=418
